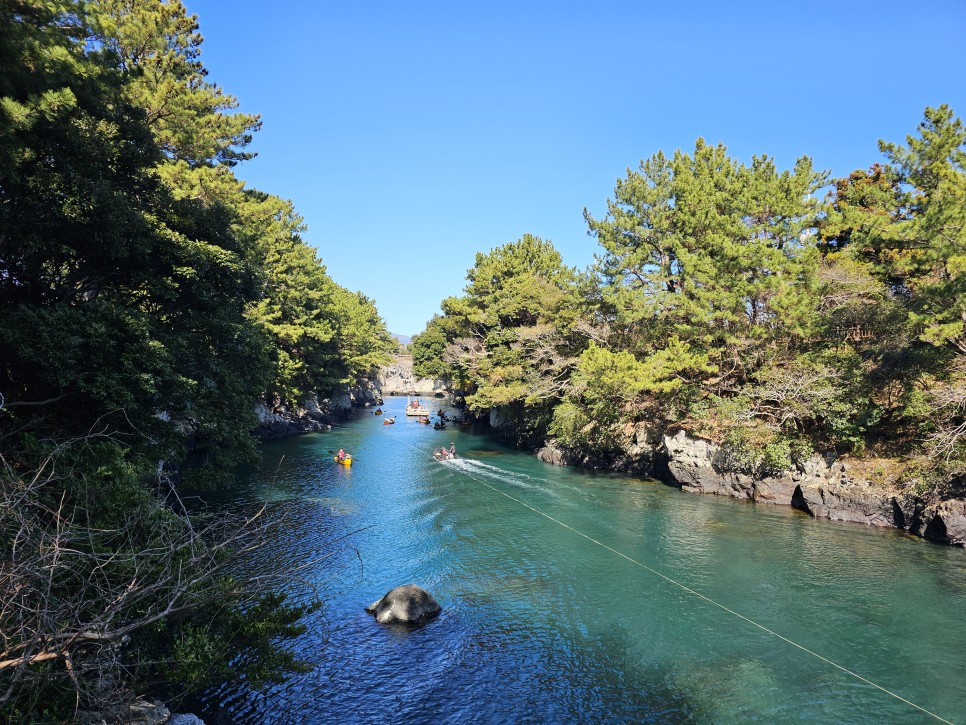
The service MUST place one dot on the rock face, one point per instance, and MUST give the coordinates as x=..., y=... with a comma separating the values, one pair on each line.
x=364, y=393
x=407, y=604
x=639, y=456
x=502, y=420
x=554, y=454
x=821, y=487
x=311, y=417
x=398, y=379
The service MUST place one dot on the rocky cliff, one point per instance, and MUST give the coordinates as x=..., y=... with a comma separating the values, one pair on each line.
x=824, y=487
x=311, y=417
x=315, y=415
x=398, y=378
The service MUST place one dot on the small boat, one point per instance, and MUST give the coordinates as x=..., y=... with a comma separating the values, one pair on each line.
x=389, y=421
x=438, y=425
x=424, y=419
x=378, y=411
x=347, y=461
x=414, y=407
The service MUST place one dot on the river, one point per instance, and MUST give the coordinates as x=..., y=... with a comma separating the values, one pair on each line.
x=571, y=596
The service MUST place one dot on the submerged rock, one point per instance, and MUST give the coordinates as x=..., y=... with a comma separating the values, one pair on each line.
x=407, y=604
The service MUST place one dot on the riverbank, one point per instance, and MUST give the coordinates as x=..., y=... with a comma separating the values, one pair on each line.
x=315, y=416
x=827, y=487
x=824, y=486
x=542, y=624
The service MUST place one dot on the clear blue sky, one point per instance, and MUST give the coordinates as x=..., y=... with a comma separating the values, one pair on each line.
x=412, y=135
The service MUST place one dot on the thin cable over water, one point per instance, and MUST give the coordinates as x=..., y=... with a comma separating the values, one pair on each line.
x=707, y=599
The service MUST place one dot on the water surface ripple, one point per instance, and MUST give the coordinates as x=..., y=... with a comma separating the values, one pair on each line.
x=542, y=625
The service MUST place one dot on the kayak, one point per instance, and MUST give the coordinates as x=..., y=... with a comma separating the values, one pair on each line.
x=347, y=461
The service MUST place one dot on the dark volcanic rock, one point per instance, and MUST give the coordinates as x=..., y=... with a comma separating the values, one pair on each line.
x=407, y=604
x=822, y=487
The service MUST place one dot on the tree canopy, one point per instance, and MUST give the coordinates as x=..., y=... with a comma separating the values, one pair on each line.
x=148, y=301
x=734, y=300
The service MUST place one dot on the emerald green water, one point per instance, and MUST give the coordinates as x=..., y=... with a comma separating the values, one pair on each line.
x=543, y=624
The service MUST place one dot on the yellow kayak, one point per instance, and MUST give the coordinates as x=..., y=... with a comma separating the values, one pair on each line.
x=347, y=461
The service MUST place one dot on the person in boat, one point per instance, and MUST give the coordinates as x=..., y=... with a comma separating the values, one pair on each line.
x=440, y=455
x=340, y=455
x=452, y=450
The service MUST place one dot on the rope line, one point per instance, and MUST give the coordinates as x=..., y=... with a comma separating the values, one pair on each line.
x=707, y=599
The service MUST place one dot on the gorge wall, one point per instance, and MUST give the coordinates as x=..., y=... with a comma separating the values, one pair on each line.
x=398, y=378
x=314, y=415
x=824, y=487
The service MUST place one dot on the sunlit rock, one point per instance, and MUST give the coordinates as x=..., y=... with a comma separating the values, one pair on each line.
x=407, y=604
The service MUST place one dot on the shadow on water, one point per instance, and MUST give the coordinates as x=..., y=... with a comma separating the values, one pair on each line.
x=542, y=624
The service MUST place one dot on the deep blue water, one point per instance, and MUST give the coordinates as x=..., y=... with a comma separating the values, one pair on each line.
x=573, y=597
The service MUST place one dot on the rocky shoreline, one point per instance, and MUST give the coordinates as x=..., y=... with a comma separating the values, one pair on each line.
x=824, y=487
x=314, y=416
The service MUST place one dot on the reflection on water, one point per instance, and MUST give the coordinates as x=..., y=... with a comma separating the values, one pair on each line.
x=542, y=624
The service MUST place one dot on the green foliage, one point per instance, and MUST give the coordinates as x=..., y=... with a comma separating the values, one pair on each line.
x=510, y=341
x=147, y=300
x=364, y=342
x=712, y=251
x=905, y=223
x=428, y=349
x=238, y=643
x=296, y=306
x=157, y=44
x=931, y=241
x=730, y=299
x=759, y=455
x=95, y=564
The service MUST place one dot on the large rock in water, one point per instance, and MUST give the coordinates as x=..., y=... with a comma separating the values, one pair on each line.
x=407, y=604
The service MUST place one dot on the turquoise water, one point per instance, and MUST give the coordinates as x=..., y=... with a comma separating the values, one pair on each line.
x=577, y=597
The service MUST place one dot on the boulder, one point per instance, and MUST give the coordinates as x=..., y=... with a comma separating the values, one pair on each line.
x=407, y=604
x=855, y=501
x=554, y=454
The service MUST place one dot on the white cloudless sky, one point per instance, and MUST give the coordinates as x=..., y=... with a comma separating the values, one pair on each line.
x=411, y=136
